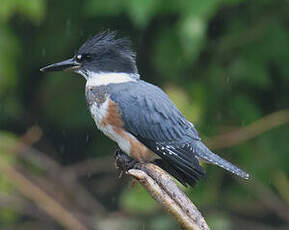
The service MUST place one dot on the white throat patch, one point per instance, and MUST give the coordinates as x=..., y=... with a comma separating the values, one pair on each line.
x=98, y=79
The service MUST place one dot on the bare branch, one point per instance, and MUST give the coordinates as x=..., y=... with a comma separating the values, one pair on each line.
x=164, y=190
x=43, y=200
x=62, y=197
x=92, y=166
x=66, y=180
x=256, y=128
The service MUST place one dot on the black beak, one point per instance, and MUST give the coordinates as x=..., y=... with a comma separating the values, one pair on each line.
x=68, y=64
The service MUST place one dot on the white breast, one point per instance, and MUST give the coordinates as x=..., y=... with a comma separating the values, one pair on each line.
x=98, y=114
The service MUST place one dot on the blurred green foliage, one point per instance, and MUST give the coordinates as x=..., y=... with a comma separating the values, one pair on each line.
x=223, y=62
x=7, y=216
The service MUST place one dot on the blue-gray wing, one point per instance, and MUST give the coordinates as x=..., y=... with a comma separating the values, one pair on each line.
x=148, y=113
x=150, y=116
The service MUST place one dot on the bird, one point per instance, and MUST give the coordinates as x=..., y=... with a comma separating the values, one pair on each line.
x=137, y=115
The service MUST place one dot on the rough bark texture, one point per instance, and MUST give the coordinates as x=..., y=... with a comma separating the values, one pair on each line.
x=164, y=190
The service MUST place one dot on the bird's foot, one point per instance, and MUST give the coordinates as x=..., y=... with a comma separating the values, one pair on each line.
x=123, y=161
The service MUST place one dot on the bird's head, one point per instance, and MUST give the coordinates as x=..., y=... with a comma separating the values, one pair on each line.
x=102, y=53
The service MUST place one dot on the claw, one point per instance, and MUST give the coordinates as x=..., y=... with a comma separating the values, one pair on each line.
x=123, y=161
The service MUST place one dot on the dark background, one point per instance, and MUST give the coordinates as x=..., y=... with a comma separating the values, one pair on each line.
x=223, y=62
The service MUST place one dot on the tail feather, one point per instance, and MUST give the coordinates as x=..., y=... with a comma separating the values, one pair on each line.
x=184, y=168
x=203, y=153
x=185, y=175
x=177, y=161
x=181, y=160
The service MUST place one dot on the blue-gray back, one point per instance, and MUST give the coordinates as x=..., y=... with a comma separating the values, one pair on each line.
x=148, y=113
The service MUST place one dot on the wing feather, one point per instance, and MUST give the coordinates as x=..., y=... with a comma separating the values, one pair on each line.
x=150, y=116
x=148, y=112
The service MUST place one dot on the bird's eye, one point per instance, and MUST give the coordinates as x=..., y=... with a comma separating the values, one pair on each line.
x=79, y=58
x=83, y=57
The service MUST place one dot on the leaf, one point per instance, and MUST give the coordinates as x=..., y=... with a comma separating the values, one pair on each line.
x=204, y=8
x=141, y=11
x=33, y=9
x=167, y=57
x=192, y=35
x=250, y=70
x=9, y=46
x=8, y=69
x=191, y=108
x=103, y=8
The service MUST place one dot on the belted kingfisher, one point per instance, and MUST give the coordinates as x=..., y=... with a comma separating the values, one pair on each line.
x=137, y=115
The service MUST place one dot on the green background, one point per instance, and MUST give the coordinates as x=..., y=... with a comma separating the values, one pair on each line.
x=225, y=63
